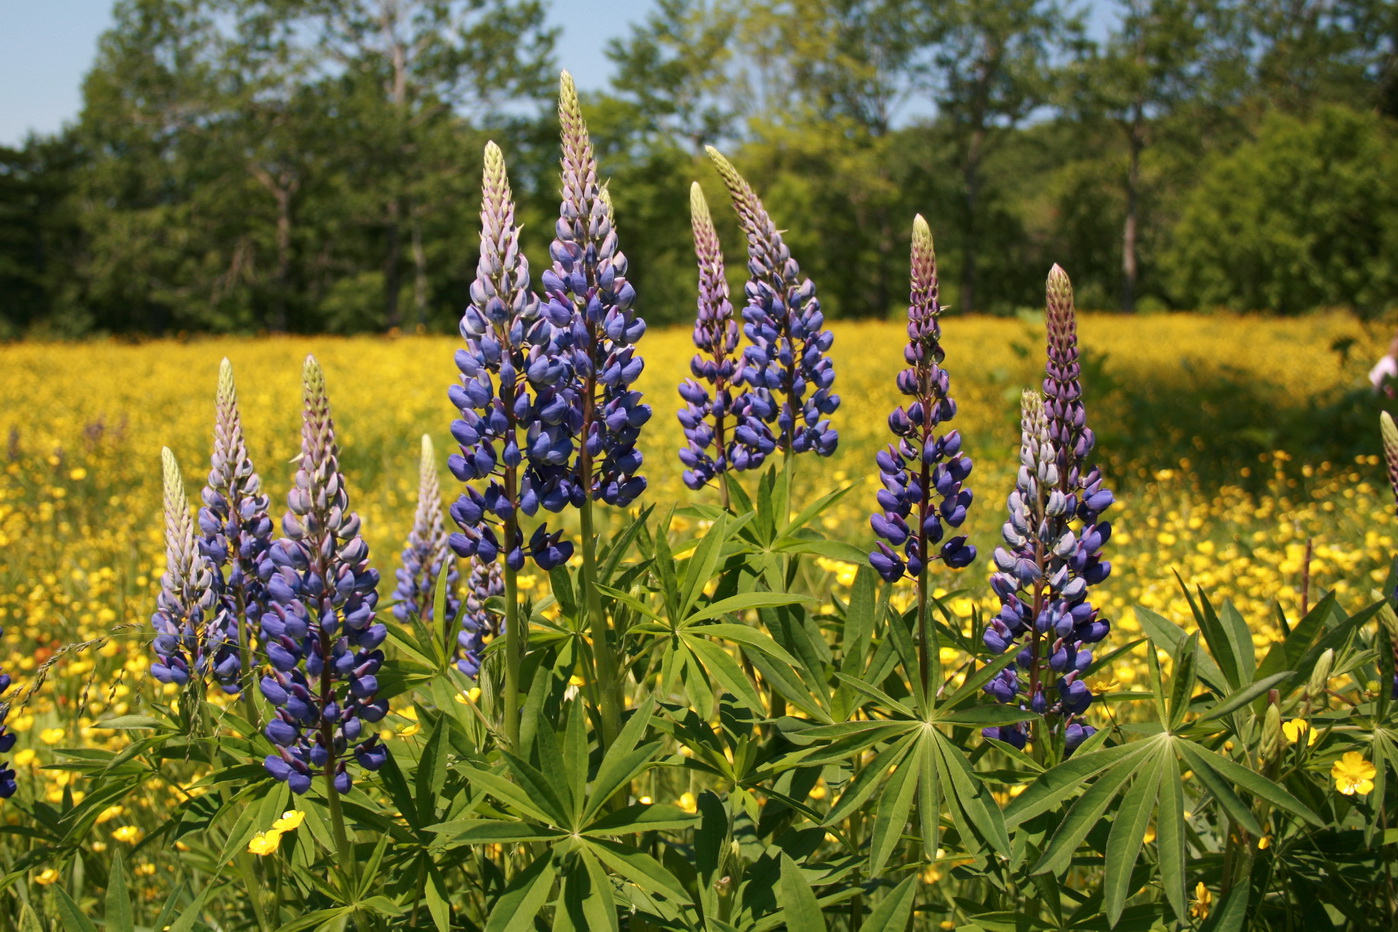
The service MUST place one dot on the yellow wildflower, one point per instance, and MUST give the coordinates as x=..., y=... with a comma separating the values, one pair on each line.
x=1297, y=727
x=127, y=833
x=47, y=876
x=688, y=802
x=1203, y=901
x=264, y=843
x=289, y=821
x=52, y=735
x=111, y=812
x=1353, y=774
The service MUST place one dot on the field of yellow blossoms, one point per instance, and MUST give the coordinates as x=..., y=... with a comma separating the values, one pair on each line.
x=1206, y=428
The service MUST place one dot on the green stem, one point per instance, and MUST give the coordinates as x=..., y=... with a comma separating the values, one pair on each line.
x=337, y=825
x=514, y=651
x=603, y=658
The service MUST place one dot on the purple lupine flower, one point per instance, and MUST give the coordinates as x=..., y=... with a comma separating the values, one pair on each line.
x=319, y=631
x=1053, y=539
x=235, y=533
x=427, y=551
x=8, y=786
x=517, y=429
x=714, y=421
x=787, y=366
x=192, y=626
x=1390, y=456
x=590, y=299
x=923, y=474
x=479, y=625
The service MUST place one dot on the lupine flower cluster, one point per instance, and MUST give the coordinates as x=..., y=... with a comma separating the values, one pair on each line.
x=519, y=422
x=1053, y=542
x=786, y=365
x=319, y=631
x=721, y=421
x=194, y=630
x=1390, y=456
x=7, y=739
x=427, y=552
x=479, y=624
x=236, y=531
x=922, y=473
x=590, y=301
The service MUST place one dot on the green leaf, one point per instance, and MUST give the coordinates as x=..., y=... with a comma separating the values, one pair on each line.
x=891, y=814
x=1127, y=835
x=509, y=793
x=73, y=918
x=118, y=898
x=431, y=770
x=190, y=915
x=1231, y=914
x=725, y=669
x=638, y=867
x=598, y=904
x=1245, y=695
x=974, y=812
x=494, y=831
x=798, y=900
x=1249, y=780
x=1170, y=835
x=700, y=568
x=1055, y=785
x=869, y=779
x=748, y=637
x=642, y=817
x=894, y=910
x=522, y=900
x=623, y=760
x=1086, y=813
x=745, y=601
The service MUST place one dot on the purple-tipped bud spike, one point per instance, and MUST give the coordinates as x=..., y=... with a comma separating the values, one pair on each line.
x=427, y=552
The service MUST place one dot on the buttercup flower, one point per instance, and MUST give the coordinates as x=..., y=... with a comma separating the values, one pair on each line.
x=1353, y=774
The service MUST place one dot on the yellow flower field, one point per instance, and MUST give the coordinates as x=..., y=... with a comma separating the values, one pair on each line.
x=82, y=426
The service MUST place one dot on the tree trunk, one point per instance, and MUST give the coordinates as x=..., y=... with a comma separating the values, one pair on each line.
x=392, y=270
x=419, y=273
x=1129, y=273
x=971, y=175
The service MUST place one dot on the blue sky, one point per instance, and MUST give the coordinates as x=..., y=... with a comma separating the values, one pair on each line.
x=46, y=47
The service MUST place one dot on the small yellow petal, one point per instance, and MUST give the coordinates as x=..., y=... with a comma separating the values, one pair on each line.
x=290, y=820
x=264, y=843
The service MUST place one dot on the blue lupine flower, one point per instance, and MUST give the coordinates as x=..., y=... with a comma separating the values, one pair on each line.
x=8, y=786
x=1053, y=543
x=427, y=551
x=193, y=628
x=1389, y=432
x=923, y=473
x=519, y=424
x=786, y=365
x=320, y=631
x=590, y=299
x=478, y=624
x=714, y=421
x=235, y=533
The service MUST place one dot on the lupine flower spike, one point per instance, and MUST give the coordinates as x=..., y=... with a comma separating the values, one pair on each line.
x=479, y=625
x=1053, y=542
x=922, y=473
x=236, y=532
x=786, y=367
x=192, y=626
x=517, y=427
x=8, y=786
x=719, y=432
x=427, y=552
x=591, y=300
x=320, y=631
x=1390, y=456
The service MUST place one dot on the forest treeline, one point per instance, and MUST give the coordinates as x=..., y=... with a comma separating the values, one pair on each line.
x=313, y=165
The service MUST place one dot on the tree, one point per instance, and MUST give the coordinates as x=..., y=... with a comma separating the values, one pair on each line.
x=1165, y=58
x=1305, y=216
x=992, y=67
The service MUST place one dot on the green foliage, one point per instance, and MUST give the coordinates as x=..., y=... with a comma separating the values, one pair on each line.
x=1302, y=217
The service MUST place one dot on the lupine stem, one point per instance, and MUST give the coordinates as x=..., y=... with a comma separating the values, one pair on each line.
x=609, y=687
x=337, y=826
x=514, y=646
